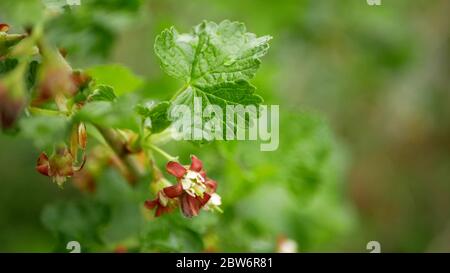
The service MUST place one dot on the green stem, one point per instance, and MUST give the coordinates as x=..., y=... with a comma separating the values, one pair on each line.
x=163, y=153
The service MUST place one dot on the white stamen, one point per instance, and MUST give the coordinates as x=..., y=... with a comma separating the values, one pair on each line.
x=193, y=183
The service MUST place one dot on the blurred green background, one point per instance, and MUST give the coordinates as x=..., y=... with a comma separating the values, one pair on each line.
x=364, y=137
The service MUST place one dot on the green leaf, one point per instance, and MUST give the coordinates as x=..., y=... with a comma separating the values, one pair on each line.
x=45, y=131
x=222, y=94
x=120, y=78
x=102, y=93
x=22, y=13
x=215, y=61
x=75, y=220
x=211, y=53
x=306, y=173
x=124, y=216
x=170, y=233
x=156, y=115
x=115, y=114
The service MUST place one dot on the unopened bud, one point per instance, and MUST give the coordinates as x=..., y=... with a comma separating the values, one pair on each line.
x=58, y=166
x=10, y=107
x=56, y=76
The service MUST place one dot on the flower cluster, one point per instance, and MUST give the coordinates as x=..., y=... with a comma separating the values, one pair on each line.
x=193, y=191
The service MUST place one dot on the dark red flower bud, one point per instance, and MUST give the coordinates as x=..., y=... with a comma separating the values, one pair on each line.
x=10, y=107
x=56, y=78
x=56, y=81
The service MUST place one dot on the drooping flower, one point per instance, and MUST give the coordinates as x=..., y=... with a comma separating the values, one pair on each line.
x=194, y=189
x=58, y=166
x=63, y=162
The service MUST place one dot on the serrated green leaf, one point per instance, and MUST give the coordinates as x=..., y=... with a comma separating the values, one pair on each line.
x=115, y=114
x=224, y=93
x=211, y=53
x=102, y=93
x=120, y=78
x=215, y=61
x=238, y=93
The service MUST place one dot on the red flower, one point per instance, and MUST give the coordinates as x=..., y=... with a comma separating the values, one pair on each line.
x=58, y=166
x=194, y=189
x=62, y=163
